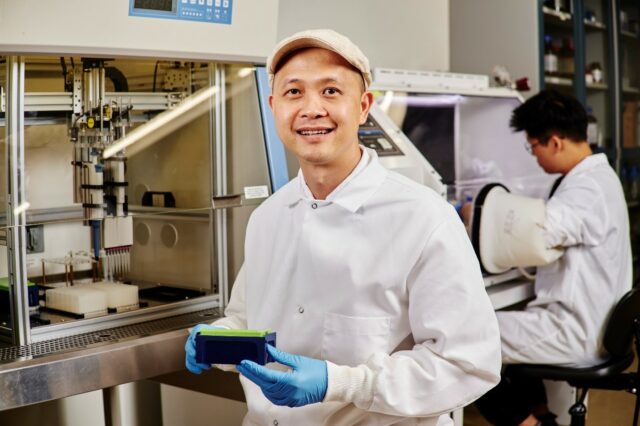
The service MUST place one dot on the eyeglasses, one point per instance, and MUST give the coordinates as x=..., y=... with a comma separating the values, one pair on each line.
x=530, y=146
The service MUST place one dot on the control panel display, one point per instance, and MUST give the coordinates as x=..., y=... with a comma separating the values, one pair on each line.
x=212, y=11
x=161, y=5
x=372, y=136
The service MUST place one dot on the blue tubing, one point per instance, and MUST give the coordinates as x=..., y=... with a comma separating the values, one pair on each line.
x=95, y=234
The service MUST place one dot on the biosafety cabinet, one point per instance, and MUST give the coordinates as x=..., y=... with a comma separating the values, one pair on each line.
x=461, y=125
x=130, y=161
x=134, y=180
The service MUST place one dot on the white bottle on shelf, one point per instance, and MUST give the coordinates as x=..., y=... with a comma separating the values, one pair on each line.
x=593, y=131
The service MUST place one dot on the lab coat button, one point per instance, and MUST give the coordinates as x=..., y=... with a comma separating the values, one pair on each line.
x=301, y=309
x=314, y=206
x=275, y=423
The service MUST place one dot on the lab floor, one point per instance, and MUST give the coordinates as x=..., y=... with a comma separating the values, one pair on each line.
x=606, y=408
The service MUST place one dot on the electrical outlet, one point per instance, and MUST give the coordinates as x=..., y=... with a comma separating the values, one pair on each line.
x=35, y=239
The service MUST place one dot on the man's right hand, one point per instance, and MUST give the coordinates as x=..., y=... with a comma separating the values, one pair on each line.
x=190, y=349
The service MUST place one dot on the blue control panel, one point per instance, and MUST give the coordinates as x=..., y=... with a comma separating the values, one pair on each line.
x=212, y=11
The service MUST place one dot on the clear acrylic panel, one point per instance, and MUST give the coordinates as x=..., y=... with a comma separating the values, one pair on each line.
x=467, y=139
x=630, y=68
x=5, y=314
x=246, y=148
x=598, y=75
x=559, y=44
x=123, y=158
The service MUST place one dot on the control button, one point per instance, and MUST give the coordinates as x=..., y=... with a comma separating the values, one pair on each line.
x=209, y=2
x=185, y=1
x=314, y=206
x=301, y=309
x=218, y=2
x=192, y=1
x=225, y=3
x=385, y=144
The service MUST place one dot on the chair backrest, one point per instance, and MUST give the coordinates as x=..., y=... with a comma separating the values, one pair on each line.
x=619, y=333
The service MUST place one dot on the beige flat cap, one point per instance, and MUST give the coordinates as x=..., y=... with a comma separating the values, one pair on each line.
x=325, y=39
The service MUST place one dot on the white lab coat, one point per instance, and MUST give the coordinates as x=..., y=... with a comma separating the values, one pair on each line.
x=381, y=281
x=574, y=295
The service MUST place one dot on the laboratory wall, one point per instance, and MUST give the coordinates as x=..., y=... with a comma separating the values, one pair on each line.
x=487, y=33
x=404, y=34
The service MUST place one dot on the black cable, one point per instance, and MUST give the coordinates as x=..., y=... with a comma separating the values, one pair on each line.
x=155, y=73
x=64, y=73
x=119, y=80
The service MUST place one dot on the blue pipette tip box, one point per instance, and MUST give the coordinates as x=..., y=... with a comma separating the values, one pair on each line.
x=222, y=346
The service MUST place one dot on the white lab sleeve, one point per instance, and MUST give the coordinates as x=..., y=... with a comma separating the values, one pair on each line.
x=578, y=216
x=456, y=357
x=236, y=311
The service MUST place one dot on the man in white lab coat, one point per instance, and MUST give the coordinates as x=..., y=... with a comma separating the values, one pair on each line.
x=366, y=276
x=586, y=215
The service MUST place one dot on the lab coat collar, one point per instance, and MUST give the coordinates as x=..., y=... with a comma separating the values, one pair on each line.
x=593, y=160
x=352, y=192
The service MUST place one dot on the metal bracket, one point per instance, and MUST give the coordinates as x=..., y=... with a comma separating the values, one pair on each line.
x=226, y=201
x=77, y=90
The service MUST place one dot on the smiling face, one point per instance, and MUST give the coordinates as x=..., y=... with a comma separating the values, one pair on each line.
x=318, y=103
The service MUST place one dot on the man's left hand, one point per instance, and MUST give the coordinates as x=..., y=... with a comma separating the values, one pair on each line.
x=305, y=383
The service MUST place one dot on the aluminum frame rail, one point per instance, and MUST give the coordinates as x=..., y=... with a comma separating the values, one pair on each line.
x=63, y=101
x=71, y=365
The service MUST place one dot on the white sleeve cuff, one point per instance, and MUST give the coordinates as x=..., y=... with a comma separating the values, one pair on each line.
x=350, y=384
x=226, y=367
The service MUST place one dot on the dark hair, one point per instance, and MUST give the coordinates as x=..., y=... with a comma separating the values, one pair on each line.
x=548, y=113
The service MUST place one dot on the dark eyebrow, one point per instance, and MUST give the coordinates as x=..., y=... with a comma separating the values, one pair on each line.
x=291, y=81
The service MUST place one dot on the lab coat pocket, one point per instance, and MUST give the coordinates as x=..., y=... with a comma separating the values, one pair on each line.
x=350, y=340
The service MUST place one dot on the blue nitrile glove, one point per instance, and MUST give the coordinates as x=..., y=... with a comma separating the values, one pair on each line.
x=190, y=349
x=305, y=383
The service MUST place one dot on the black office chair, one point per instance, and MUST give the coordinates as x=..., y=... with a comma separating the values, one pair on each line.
x=623, y=325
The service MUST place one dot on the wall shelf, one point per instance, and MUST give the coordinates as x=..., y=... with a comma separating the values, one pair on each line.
x=558, y=81
x=595, y=25
x=556, y=14
x=597, y=86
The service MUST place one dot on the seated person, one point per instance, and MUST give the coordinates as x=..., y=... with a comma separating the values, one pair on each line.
x=586, y=215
